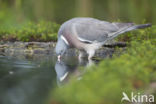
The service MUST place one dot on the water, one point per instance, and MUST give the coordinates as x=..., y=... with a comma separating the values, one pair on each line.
x=30, y=80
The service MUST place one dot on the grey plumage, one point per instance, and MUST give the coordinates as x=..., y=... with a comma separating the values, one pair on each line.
x=89, y=34
x=61, y=47
x=61, y=71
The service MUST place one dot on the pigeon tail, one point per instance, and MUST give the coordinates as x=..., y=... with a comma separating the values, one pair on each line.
x=143, y=26
x=126, y=29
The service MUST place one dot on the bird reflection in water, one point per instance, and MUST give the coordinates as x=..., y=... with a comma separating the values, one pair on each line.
x=64, y=71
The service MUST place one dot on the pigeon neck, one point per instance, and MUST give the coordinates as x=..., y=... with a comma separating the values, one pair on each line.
x=64, y=39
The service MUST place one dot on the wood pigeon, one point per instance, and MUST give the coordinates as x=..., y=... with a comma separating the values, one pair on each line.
x=89, y=34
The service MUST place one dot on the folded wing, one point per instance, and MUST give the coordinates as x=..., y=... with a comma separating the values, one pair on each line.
x=93, y=30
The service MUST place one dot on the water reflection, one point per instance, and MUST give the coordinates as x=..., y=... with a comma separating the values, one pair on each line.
x=64, y=70
x=24, y=82
x=29, y=81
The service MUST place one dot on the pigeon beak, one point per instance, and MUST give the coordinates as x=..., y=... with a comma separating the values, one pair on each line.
x=59, y=58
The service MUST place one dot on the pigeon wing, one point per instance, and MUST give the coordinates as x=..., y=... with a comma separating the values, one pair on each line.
x=92, y=30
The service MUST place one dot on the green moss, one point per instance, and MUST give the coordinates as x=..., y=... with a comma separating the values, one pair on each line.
x=133, y=71
x=41, y=31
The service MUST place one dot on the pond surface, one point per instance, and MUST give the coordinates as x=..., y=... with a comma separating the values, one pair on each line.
x=29, y=80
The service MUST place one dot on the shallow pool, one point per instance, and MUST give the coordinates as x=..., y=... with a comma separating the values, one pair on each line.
x=29, y=80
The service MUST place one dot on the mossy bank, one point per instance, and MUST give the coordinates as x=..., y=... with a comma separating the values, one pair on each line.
x=29, y=31
x=133, y=71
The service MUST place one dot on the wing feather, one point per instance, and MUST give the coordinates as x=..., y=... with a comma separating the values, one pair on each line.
x=94, y=30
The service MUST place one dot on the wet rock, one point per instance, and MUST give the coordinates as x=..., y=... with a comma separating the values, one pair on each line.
x=3, y=46
x=44, y=48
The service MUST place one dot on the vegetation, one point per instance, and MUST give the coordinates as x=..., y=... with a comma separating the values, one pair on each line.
x=134, y=70
x=14, y=15
x=30, y=31
x=60, y=11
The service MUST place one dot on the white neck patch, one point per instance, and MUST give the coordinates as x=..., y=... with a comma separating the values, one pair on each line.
x=64, y=39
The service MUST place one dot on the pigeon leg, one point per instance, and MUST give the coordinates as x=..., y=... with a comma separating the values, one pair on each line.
x=90, y=54
x=81, y=55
